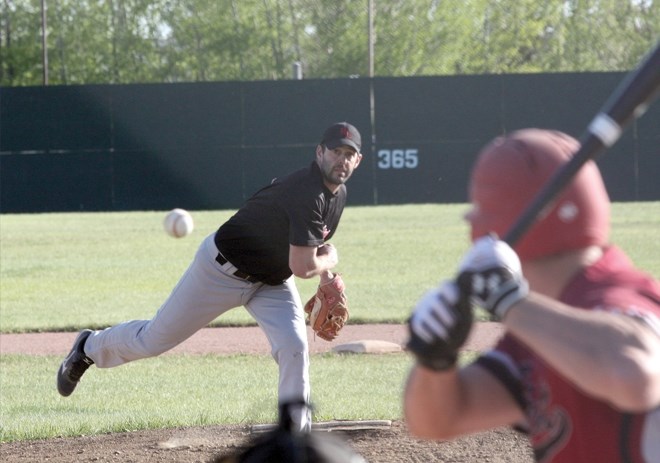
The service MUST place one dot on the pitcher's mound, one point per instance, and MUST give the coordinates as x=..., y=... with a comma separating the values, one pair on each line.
x=335, y=425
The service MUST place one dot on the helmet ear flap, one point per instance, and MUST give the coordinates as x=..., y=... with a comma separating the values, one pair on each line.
x=508, y=174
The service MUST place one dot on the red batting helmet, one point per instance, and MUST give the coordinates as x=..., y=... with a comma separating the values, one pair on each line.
x=508, y=174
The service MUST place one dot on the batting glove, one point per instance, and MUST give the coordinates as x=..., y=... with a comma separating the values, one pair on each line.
x=490, y=274
x=439, y=326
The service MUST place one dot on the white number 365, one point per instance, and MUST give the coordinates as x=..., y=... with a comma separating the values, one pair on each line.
x=398, y=159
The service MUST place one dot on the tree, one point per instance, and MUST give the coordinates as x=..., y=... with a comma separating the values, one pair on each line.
x=131, y=41
x=20, y=43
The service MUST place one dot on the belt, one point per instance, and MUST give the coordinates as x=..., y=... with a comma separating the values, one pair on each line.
x=220, y=259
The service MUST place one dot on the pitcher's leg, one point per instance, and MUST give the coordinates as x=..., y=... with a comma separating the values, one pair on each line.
x=202, y=294
x=279, y=312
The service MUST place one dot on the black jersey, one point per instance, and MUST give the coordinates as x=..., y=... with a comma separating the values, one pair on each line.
x=297, y=209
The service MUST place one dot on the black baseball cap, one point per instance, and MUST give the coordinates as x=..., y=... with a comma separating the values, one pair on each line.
x=342, y=133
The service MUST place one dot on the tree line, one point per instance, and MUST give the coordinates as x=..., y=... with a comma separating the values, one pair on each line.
x=143, y=41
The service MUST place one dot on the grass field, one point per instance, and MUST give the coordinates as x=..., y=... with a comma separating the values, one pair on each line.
x=68, y=271
x=182, y=390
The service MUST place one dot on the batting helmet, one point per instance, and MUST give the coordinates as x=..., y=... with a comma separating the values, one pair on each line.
x=508, y=174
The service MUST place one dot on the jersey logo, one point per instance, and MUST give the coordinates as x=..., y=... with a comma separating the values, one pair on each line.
x=550, y=426
x=551, y=434
x=325, y=231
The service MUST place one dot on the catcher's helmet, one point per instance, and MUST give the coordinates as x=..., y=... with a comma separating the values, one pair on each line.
x=285, y=445
x=508, y=174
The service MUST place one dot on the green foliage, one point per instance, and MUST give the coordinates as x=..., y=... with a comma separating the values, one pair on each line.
x=139, y=41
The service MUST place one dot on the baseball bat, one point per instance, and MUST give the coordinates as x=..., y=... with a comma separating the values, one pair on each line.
x=628, y=102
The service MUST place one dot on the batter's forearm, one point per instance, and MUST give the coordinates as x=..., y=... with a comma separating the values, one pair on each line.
x=606, y=355
x=429, y=403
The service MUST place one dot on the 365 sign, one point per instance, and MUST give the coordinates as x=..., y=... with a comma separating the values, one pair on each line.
x=398, y=159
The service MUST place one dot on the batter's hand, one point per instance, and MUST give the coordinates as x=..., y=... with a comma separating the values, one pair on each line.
x=439, y=326
x=491, y=275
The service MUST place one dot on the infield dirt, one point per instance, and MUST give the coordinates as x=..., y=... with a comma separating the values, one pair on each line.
x=202, y=444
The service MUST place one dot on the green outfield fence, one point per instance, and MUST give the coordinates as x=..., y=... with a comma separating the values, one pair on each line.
x=210, y=145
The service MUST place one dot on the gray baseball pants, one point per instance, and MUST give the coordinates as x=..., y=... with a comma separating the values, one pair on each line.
x=205, y=291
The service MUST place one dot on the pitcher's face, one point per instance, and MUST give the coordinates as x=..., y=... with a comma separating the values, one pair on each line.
x=337, y=165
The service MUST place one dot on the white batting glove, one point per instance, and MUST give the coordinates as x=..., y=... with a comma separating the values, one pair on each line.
x=491, y=275
x=439, y=326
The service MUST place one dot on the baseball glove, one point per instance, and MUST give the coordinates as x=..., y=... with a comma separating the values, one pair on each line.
x=327, y=310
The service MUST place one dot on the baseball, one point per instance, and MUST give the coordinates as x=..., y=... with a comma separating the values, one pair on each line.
x=178, y=223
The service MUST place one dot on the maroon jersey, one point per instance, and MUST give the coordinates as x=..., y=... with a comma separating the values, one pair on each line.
x=564, y=424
